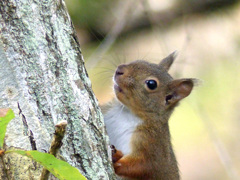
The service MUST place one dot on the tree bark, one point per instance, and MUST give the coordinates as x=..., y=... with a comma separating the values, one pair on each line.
x=44, y=81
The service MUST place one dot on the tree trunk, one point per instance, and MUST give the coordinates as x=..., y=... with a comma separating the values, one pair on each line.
x=44, y=81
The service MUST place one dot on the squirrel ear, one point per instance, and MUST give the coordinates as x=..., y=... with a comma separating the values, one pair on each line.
x=167, y=61
x=179, y=89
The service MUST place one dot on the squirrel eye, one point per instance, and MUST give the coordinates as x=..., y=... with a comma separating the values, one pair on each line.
x=151, y=84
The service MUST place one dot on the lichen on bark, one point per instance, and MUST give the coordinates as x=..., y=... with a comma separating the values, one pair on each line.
x=43, y=79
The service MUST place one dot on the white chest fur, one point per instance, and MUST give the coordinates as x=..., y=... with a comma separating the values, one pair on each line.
x=120, y=124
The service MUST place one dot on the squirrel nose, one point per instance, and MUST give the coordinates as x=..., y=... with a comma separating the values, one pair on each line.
x=120, y=70
x=119, y=73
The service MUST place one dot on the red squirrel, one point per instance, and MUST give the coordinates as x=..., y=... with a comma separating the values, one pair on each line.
x=137, y=120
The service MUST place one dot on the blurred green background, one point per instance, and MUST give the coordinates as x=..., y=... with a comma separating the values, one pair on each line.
x=206, y=34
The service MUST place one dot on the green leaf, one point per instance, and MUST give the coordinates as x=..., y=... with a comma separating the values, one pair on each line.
x=6, y=115
x=60, y=169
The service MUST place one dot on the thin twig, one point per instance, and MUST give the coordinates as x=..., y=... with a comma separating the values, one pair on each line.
x=60, y=130
x=112, y=35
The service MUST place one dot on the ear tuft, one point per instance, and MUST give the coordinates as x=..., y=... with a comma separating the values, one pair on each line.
x=179, y=89
x=167, y=61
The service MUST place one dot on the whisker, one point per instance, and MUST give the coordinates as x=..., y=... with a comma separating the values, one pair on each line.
x=115, y=60
x=120, y=112
x=108, y=68
x=102, y=73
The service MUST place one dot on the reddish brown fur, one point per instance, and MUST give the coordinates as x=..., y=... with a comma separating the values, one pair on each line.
x=116, y=155
x=152, y=156
x=133, y=167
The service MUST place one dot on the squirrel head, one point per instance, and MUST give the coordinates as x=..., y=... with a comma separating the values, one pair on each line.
x=148, y=90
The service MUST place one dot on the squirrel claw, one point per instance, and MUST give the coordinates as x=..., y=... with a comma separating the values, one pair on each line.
x=116, y=155
x=113, y=149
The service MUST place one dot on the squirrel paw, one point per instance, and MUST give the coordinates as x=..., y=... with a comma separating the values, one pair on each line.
x=116, y=155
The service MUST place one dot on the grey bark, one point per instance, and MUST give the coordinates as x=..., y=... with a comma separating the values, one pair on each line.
x=43, y=79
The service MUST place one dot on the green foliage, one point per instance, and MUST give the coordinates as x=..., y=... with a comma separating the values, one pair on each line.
x=58, y=168
x=3, y=125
